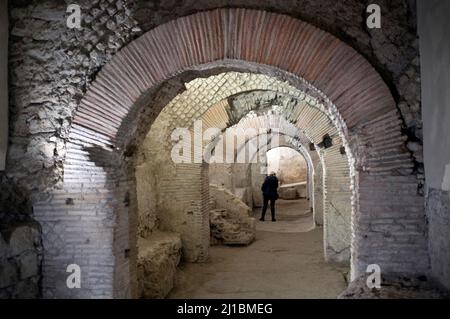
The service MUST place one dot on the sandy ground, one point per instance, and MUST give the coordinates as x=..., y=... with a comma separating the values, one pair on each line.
x=285, y=261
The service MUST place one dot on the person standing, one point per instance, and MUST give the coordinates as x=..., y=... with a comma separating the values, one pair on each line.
x=270, y=194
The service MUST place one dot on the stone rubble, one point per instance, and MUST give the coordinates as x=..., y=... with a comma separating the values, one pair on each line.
x=230, y=221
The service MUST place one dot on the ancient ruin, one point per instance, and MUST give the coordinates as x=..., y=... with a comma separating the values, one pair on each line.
x=134, y=147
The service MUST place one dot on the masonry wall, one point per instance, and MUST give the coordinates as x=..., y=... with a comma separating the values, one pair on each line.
x=234, y=177
x=318, y=194
x=3, y=83
x=21, y=254
x=434, y=30
x=51, y=67
x=289, y=165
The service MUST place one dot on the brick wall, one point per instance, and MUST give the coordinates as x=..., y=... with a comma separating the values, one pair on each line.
x=44, y=135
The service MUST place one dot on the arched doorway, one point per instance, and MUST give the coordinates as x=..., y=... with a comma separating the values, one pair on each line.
x=99, y=229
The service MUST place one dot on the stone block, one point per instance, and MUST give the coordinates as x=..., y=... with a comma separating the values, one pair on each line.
x=4, y=248
x=158, y=257
x=27, y=289
x=28, y=264
x=287, y=193
x=225, y=199
x=230, y=231
x=8, y=273
x=23, y=238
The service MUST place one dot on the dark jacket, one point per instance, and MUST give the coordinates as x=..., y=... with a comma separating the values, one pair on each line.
x=269, y=187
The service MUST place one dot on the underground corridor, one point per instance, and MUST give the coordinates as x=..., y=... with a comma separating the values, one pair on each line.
x=286, y=258
x=244, y=129
x=140, y=150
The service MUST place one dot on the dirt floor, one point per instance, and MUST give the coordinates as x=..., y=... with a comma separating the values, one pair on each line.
x=285, y=261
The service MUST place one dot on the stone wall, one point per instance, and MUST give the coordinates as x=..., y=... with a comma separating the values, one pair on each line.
x=289, y=165
x=234, y=177
x=4, y=83
x=393, y=50
x=244, y=93
x=257, y=180
x=51, y=68
x=318, y=194
x=435, y=50
x=21, y=254
x=51, y=65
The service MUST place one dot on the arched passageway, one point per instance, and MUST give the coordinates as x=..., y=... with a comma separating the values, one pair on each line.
x=249, y=94
x=129, y=93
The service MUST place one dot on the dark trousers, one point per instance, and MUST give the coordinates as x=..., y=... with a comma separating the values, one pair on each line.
x=272, y=207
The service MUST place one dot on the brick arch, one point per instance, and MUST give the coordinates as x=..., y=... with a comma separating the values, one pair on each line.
x=352, y=91
x=300, y=149
x=224, y=99
x=334, y=180
x=280, y=41
x=293, y=143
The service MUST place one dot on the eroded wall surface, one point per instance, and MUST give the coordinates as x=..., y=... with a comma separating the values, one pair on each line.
x=3, y=83
x=434, y=30
x=51, y=67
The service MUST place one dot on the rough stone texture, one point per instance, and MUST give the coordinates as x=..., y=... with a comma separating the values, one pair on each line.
x=433, y=29
x=3, y=84
x=227, y=230
x=318, y=194
x=147, y=199
x=396, y=287
x=21, y=255
x=257, y=180
x=230, y=219
x=67, y=60
x=438, y=208
x=392, y=50
x=258, y=102
x=37, y=150
x=225, y=199
x=51, y=66
x=207, y=97
x=158, y=257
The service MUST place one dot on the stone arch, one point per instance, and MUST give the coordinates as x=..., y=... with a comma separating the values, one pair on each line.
x=300, y=148
x=294, y=138
x=222, y=105
x=111, y=113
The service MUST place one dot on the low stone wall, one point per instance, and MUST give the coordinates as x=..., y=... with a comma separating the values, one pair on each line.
x=158, y=258
x=20, y=260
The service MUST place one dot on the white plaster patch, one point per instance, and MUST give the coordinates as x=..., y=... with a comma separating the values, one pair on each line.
x=446, y=178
